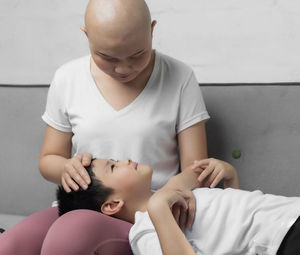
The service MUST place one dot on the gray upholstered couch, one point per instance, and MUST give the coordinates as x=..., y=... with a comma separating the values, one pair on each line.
x=263, y=122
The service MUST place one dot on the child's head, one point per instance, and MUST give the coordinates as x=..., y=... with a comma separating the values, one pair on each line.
x=120, y=37
x=113, y=185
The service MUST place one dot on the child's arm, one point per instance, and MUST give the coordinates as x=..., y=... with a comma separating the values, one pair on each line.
x=206, y=172
x=171, y=238
x=185, y=181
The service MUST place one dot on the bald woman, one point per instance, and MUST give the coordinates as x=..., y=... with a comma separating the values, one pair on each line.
x=125, y=99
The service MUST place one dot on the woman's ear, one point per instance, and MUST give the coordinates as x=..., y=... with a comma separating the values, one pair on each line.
x=111, y=207
x=83, y=29
x=154, y=22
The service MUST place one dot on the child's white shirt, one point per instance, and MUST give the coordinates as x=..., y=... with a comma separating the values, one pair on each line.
x=144, y=131
x=227, y=222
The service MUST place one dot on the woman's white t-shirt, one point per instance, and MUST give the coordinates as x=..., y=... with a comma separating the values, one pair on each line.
x=145, y=130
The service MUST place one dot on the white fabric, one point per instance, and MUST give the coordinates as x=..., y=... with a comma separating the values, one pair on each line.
x=227, y=222
x=144, y=131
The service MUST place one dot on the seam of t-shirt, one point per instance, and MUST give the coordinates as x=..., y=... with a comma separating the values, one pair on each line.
x=195, y=119
x=140, y=235
x=54, y=124
x=112, y=240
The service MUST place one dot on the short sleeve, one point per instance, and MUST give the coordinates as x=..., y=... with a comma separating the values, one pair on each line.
x=191, y=107
x=55, y=114
x=146, y=243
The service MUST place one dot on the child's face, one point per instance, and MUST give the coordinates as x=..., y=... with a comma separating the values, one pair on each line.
x=122, y=57
x=124, y=177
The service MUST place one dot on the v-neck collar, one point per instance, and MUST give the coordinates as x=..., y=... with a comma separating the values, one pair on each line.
x=136, y=100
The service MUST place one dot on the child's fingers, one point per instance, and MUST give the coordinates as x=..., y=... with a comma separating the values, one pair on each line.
x=176, y=213
x=182, y=218
x=218, y=178
x=191, y=212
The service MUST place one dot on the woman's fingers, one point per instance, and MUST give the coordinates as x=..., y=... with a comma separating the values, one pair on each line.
x=211, y=177
x=201, y=163
x=83, y=176
x=217, y=179
x=69, y=181
x=65, y=186
x=85, y=159
x=74, y=172
x=205, y=173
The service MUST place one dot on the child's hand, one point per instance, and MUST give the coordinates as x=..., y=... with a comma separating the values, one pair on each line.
x=175, y=199
x=214, y=171
x=75, y=174
x=171, y=197
x=184, y=218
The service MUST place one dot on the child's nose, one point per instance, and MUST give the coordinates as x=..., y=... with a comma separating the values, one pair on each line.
x=127, y=161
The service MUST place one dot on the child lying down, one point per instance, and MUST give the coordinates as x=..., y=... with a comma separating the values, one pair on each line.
x=227, y=221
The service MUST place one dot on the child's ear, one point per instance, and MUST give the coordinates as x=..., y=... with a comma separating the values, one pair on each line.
x=112, y=207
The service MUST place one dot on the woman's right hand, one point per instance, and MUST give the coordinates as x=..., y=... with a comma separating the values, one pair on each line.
x=75, y=174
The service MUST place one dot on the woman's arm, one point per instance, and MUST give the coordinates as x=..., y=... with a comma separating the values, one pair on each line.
x=192, y=144
x=55, y=151
x=56, y=164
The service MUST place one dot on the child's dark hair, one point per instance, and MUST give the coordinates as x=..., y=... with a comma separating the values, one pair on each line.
x=92, y=198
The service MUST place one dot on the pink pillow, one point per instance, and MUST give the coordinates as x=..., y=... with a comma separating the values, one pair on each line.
x=87, y=232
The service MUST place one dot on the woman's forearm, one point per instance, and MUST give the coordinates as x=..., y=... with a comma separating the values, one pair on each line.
x=51, y=167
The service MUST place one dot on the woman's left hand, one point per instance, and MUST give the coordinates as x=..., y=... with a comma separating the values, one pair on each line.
x=214, y=171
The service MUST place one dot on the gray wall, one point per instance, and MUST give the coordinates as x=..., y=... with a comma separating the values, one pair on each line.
x=224, y=41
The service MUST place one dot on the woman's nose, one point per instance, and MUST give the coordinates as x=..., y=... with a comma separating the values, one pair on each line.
x=123, y=69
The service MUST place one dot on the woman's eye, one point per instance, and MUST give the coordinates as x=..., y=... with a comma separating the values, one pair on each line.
x=137, y=56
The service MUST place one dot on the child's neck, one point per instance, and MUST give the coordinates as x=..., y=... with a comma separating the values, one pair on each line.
x=131, y=207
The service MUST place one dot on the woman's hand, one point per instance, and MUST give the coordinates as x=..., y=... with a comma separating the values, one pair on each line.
x=214, y=171
x=75, y=174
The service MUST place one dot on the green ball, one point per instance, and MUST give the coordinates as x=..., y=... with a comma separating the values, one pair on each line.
x=236, y=154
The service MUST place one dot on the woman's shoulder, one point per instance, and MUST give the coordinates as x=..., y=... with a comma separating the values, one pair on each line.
x=71, y=73
x=75, y=65
x=172, y=65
